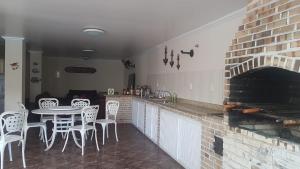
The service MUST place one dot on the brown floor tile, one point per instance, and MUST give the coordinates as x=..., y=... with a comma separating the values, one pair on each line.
x=132, y=151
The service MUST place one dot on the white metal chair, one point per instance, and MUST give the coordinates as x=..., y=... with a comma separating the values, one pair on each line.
x=63, y=123
x=112, y=107
x=88, y=117
x=41, y=125
x=81, y=103
x=47, y=103
x=12, y=125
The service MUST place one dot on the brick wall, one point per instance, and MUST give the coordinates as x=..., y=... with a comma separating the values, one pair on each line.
x=268, y=37
x=211, y=126
x=247, y=150
x=125, y=109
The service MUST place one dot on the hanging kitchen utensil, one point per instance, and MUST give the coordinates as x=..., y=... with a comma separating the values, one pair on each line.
x=178, y=65
x=172, y=60
x=165, y=60
x=191, y=52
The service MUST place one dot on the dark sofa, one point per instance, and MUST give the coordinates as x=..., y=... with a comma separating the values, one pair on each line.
x=92, y=95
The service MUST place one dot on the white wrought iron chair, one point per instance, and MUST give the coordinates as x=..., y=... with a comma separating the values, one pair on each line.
x=43, y=104
x=12, y=125
x=47, y=103
x=81, y=103
x=88, y=117
x=41, y=125
x=112, y=107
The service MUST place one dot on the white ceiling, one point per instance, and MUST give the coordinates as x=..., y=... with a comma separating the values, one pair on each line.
x=131, y=25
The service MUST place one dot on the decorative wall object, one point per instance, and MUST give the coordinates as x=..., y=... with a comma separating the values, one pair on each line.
x=178, y=65
x=172, y=58
x=110, y=91
x=35, y=80
x=191, y=52
x=165, y=60
x=73, y=69
x=128, y=64
x=14, y=66
x=35, y=70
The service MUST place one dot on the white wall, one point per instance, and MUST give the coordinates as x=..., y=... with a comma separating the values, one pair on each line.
x=35, y=62
x=200, y=78
x=110, y=74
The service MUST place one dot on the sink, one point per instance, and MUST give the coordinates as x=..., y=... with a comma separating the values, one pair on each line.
x=160, y=100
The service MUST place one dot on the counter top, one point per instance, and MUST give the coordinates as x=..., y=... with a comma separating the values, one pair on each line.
x=193, y=109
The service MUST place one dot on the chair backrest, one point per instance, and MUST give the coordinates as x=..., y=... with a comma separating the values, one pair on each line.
x=89, y=114
x=12, y=122
x=21, y=106
x=48, y=102
x=80, y=103
x=112, y=107
x=23, y=109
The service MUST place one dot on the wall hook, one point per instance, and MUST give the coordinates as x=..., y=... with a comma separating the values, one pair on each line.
x=191, y=52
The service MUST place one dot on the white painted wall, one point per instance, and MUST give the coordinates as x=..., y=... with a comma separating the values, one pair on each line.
x=110, y=74
x=199, y=78
x=35, y=63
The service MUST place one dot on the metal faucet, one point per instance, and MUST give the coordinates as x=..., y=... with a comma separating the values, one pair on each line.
x=164, y=94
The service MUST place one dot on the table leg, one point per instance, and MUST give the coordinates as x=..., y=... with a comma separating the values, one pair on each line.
x=53, y=134
x=73, y=132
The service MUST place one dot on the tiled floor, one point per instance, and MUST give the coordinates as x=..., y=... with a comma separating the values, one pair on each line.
x=132, y=151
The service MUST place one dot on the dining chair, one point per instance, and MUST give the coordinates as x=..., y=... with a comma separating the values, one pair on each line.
x=12, y=128
x=112, y=107
x=88, y=117
x=47, y=103
x=80, y=103
x=41, y=125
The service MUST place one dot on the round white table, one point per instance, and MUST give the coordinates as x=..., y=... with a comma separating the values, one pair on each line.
x=59, y=111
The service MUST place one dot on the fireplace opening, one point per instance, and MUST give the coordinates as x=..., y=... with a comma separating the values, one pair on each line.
x=274, y=94
x=271, y=86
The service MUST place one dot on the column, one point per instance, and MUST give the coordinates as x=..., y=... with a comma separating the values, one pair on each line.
x=14, y=85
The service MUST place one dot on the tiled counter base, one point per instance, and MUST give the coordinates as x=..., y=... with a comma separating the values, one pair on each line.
x=248, y=150
x=192, y=117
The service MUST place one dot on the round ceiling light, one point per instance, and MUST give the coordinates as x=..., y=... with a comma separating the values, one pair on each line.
x=93, y=31
x=88, y=50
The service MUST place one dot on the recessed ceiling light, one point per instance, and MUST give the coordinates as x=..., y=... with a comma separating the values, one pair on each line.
x=93, y=31
x=88, y=50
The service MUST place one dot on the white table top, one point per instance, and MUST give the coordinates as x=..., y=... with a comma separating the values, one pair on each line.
x=59, y=110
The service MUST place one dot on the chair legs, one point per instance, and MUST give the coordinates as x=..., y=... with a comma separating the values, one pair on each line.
x=107, y=130
x=103, y=132
x=82, y=133
x=2, y=148
x=23, y=153
x=10, y=153
x=82, y=142
x=66, y=142
x=45, y=135
x=116, y=133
